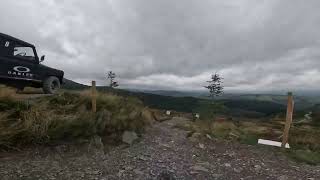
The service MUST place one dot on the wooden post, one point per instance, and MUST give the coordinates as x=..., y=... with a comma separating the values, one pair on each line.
x=94, y=96
x=288, y=120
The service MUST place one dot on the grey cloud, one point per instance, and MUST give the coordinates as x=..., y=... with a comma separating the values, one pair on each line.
x=166, y=44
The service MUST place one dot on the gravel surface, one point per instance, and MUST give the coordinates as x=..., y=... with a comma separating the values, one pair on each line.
x=164, y=152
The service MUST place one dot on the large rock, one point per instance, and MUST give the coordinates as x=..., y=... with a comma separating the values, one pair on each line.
x=257, y=167
x=129, y=137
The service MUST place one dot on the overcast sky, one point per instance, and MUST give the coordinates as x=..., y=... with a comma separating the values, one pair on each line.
x=175, y=44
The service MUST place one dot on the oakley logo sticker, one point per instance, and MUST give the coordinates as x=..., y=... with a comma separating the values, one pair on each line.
x=21, y=69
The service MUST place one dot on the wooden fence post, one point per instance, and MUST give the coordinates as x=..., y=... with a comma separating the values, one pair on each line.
x=288, y=120
x=94, y=96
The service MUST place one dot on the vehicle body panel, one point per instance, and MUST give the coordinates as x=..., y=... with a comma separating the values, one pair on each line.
x=20, y=69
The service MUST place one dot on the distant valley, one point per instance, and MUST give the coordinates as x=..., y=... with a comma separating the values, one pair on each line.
x=237, y=104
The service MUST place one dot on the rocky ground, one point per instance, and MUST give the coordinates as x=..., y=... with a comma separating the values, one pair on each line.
x=164, y=152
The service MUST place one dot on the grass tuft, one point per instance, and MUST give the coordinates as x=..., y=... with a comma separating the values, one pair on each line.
x=305, y=156
x=68, y=116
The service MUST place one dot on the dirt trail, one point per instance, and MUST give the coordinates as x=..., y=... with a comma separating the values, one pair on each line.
x=163, y=152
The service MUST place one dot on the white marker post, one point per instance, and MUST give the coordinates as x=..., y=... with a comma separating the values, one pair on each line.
x=288, y=120
x=284, y=143
x=272, y=143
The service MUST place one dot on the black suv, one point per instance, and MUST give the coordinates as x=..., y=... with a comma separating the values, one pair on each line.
x=20, y=66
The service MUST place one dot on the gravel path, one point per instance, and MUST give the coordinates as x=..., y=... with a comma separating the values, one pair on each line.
x=164, y=152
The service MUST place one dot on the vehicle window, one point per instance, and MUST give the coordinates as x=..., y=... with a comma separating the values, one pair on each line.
x=24, y=52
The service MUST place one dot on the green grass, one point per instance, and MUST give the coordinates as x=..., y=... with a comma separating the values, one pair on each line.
x=305, y=156
x=68, y=116
x=304, y=140
x=250, y=139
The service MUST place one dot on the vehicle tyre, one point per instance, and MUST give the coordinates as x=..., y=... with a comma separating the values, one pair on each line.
x=51, y=85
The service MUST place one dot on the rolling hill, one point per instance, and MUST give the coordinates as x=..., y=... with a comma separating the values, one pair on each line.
x=302, y=101
x=245, y=105
x=72, y=85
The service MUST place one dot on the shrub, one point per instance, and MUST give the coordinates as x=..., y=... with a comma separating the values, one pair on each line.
x=68, y=116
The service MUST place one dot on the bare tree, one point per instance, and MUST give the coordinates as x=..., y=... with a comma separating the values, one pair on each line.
x=215, y=86
x=111, y=77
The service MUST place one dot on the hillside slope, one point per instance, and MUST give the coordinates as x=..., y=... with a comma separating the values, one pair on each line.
x=72, y=85
x=246, y=107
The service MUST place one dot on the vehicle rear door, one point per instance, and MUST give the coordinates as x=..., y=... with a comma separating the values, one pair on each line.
x=22, y=63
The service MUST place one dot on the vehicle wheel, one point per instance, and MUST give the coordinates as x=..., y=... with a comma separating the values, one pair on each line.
x=51, y=85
